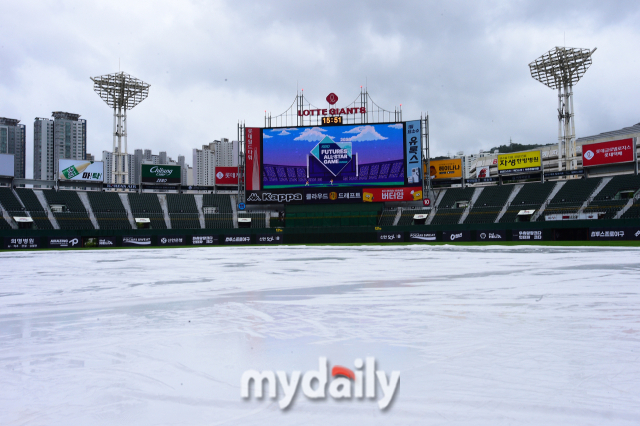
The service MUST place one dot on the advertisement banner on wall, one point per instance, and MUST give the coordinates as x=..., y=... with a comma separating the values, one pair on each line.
x=160, y=173
x=332, y=196
x=64, y=242
x=422, y=237
x=377, y=195
x=17, y=243
x=7, y=165
x=226, y=176
x=237, y=239
x=446, y=169
x=91, y=171
x=204, y=240
x=275, y=197
x=253, y=174
x=390, y=237
x=520, y=162
x=483, y=172
x=136, y=241
x=454, y=237
x=414, y=152
x=98, y=241
x=596, y=154
x=269, y=239
x=613, y=234
x=527, y=235
x=172, y=240
x=491, y=236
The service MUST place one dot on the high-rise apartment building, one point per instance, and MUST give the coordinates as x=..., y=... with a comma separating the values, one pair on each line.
x=64, y=137
x=13, y=141
x=222, y=153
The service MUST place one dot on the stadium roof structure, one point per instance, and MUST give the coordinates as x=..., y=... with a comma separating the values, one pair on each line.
x=625, y=131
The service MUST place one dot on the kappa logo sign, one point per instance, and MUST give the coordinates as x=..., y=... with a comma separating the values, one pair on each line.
x=345, y=383
x=268, y=197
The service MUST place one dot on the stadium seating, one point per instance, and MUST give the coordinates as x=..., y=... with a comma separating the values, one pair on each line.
x=183, y=211
x=407, y=216
x=74, y=216
x=571, y=196
x=35, y=209
x=447, y=213
x=108, y=210
x=530, y=197
x=608, y=200
x=147, y=205
x=387, y=217
x=224, y=218
x=489, y=204
x=633, y=212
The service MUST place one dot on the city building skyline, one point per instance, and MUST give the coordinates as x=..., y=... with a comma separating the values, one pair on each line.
x=13, y=141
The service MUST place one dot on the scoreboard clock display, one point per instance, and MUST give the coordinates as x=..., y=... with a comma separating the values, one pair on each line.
x=331, y=120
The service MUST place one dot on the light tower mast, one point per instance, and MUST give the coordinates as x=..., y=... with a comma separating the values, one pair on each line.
x=121, y=92
x=561, y=68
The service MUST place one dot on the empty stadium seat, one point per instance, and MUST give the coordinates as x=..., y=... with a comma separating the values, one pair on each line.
x=530, y=197
x=109, y=210
x=148, y=206
x=35, y=209
x=489, y=204
x=447, y=212
x=75, y=215
x=572, y=196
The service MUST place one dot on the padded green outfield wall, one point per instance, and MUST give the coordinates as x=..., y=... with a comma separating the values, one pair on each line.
x=579, y=230
x=332, y=215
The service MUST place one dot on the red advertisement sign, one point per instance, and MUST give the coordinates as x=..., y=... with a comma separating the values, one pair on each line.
x=596, y=154
x=252, y=158
x=377, y=195
x=226, y=176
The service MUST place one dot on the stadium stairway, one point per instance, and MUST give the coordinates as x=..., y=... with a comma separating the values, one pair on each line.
x=604, y=182
x=474, y=198
x=552, y=194
x=127, y=207
x=162, y=198
x=198, y=198
x=87, y=205
x=434, y=208
x=47, y=209
x=624, y=209
x=506, y=206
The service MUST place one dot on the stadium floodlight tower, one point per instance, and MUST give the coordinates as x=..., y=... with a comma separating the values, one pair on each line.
x=121, y=92
x=561, y=68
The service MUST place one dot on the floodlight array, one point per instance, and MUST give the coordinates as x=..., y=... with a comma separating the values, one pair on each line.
x=120, y=90
x=562, y=66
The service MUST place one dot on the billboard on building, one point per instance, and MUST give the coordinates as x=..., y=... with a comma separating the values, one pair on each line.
x=160, y=173
x=81, y=170
x=596, y=154
x=519, y=162
x=252, y=140
x=7, y=165
x=226, y=176
x=371, y=155
x=483, y=172
x=446, y=169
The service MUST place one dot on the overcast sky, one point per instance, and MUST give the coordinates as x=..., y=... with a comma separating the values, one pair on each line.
x=212, y=63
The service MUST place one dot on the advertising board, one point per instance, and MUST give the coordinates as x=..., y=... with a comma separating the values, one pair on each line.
x=253, y=173
x=483, y=172
x=172, y=240
x=446, y=169
x=237, y=239
x=17, y=243
x=275, y=197
x=453, y=237
x=390, y=237
x=226, y=175
x=160, y=173
x=613, y=152
x=82, y=170
x=376, y=195
x=413, y=152
x=614, y=234
x=7, y=165
x=269, y=239
x=64, y=242
x=204, y=240
x=527, y=235
x=332, y=196
x=136, y=241
x=520, y=162
x=491, y=236
x=98, y=241
x=422, y=237
x=371, y=155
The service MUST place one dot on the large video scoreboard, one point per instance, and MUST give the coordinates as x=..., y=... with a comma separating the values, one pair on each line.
x=342, y=157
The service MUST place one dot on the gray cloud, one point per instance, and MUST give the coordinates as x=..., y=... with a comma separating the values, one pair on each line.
x=211, y=64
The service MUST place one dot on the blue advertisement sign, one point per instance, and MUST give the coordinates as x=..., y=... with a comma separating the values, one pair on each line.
x=414, y=152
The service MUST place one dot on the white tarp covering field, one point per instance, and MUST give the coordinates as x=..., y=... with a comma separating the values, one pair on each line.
x=480, y=335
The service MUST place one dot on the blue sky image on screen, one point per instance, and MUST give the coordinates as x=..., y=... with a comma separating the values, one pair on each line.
x=379, y=148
